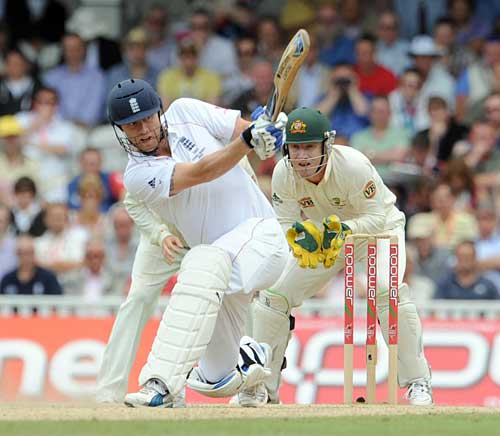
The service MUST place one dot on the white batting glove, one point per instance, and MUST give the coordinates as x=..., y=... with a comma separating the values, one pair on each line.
x=266, y=137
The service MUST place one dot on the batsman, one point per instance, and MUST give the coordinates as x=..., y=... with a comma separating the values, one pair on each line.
x=339, y=192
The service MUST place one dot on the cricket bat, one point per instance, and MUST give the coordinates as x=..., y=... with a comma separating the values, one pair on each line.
x=293, y=57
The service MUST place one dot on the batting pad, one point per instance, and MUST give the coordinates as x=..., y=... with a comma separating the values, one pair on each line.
x=271, y=324
x=189, y=320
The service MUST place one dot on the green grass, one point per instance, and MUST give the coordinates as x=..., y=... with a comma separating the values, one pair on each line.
x=439, y=425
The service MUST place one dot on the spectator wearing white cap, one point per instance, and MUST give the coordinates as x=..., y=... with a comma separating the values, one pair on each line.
x=436, y=80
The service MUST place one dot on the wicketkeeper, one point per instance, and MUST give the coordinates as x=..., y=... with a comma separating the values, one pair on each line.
x=339, y=192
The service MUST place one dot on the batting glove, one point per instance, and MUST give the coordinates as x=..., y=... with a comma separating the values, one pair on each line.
x=334, y=234
x=264, y=136
x=304, y=238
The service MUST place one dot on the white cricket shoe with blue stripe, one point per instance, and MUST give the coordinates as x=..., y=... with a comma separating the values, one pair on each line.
x=154, y=394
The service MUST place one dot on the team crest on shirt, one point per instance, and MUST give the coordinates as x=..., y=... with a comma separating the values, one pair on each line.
x=370, y=189
x=298, y=126
x=306, y=202
x=338, y=202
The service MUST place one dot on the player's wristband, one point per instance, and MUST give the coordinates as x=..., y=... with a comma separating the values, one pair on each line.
x=246, y=136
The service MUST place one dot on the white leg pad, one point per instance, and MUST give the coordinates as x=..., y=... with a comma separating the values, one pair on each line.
x=412, y=364
x=189, y=320
x=271, y=324
x=226, y=387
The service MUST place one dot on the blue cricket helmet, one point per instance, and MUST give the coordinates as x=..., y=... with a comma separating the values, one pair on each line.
x=132, y=100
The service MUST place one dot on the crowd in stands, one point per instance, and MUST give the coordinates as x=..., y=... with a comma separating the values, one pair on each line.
x=415, y=85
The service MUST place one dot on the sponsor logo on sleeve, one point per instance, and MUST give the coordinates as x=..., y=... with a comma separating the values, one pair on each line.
x=276, y=198
x=370, y=189
x=306, y=202
x=152, y=183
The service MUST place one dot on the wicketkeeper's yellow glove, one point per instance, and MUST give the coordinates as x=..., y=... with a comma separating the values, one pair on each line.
x=304, y=239
x=334, y=233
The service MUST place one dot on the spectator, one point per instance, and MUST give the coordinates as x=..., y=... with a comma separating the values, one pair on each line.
x=354, y=19
x=460, y=178
x=466, y=282
x=455, y=57
x=101, y=53
x=269, y=41
x=13, y=161
x=312, y=79
x=216, y=53
x=88, y=217
x=392, y=51
x=449, y=225
x=444, y=131
x=237, y=21
x=189, y=79
x=335, y=48
x=162, y=49
x=135, y=63
x=120, y=248
x=81, y=88
x=430, y=260
x=237, y=85
x=41, y=54
x=50, y=141
x=481, y=154
x=436, y=81
x=382, y=143
x=469, y=27
x=344, y=103
x=404, y=101
x=262, y=77
x=418, y=17
x=61, y=248
x=422, y=287
x=29, y=278
x=47, y=16
x=492, y=114
x=27, y=216
x=488, y=243
x=374, y=79
x=18, y=86
x=8, y=259
x=91, y=163
x=419, y=198
x=476, y=82
x=94, y=280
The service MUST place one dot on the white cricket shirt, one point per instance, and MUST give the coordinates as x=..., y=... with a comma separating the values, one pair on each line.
x=205, y=212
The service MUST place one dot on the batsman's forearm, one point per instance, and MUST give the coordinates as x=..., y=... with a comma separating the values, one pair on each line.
x=219, y=163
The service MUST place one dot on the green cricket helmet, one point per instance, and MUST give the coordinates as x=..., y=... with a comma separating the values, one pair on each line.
x=306, y=126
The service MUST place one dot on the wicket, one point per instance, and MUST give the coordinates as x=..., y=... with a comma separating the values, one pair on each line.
x=371, y=316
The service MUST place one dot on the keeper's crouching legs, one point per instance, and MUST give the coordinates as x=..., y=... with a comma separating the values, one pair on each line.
x=186, y=327
x=272, y=324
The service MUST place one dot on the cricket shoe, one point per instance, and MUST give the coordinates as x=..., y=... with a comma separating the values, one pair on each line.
x=419, y=393
x=256, y=397
x=154, y=394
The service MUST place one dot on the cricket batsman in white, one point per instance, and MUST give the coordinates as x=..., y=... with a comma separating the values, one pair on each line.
x=158, y=257
x=182, y=169
x=339, y=192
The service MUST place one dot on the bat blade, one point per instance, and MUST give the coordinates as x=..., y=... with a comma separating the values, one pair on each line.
x=293, y=57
